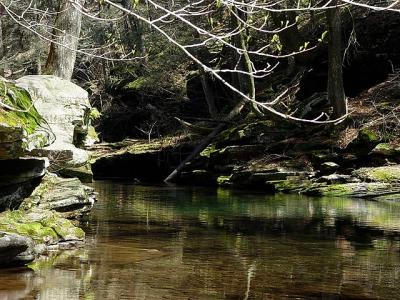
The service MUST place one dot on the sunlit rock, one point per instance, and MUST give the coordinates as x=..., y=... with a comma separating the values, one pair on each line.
x=66, y=108
x=69, y=196
x=22, y=128
x=26, y=234
x=387, y=174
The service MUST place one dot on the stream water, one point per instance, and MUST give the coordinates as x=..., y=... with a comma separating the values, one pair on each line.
x=165, y=242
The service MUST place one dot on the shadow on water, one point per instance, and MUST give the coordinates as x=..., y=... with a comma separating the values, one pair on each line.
x=163, y=242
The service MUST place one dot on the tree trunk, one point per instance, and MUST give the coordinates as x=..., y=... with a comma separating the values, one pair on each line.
x=62, y=55
x=336, y=94
x=1, y=38
x=3, y=66
x=204, y=77
x=208, y=93
x=134, y=32
x=246, y=81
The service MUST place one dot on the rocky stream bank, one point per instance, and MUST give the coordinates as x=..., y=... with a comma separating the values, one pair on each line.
x=358, y=158
x=42, y=121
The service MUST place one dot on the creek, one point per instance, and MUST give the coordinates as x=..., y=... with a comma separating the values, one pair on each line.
x=171, y=242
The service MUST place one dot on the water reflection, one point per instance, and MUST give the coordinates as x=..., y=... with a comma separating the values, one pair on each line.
x=191, y=243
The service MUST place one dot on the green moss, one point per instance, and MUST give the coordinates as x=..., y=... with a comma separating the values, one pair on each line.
x=369, y=135
x=94, y=114
x=336, y=190
x=63, y=227
x=36, y=230
x=93, y=134
x=22, y=115
x=137, y=84
x=41, y=226
x=233, y=133
x=292, y=185
x=27, y=117
x=208, y=151
x=223, y=180
x=387, y=174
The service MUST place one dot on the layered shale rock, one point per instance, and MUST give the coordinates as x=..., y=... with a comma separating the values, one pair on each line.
x=38, y=117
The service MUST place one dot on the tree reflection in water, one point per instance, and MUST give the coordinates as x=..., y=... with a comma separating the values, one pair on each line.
x=191, y=243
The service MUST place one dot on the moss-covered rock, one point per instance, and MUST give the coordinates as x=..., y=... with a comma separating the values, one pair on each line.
x=67, y=196
x=392, y=198
x=356, y=190
x=386, y=149
x=294, y=184
x=26, y=234
x=230, y=154
x=224, y=180
x=387, y=174
x=22, y=128
x=42, y=226
x=264, y=131
x=369, y=136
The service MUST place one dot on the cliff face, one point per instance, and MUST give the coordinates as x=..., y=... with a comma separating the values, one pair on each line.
x=39, y=118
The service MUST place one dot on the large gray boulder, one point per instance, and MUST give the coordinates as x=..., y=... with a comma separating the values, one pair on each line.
x=62, y=104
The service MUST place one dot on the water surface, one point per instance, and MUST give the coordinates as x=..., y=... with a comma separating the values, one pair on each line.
x=149, y=242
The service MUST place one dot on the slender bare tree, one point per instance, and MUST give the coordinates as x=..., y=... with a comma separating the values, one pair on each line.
x=336, y=94
x=62, y=55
